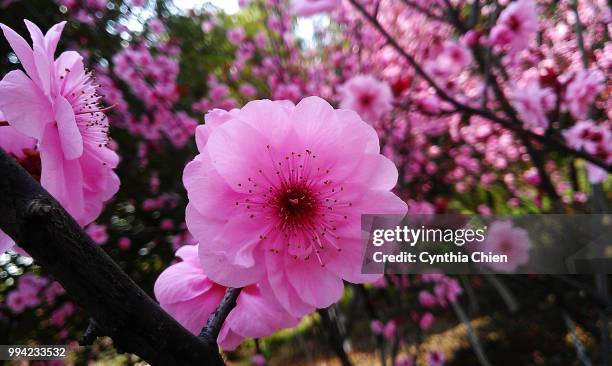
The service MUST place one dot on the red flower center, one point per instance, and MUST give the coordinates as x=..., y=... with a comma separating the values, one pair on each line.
x=296, y=205
x=366, y=100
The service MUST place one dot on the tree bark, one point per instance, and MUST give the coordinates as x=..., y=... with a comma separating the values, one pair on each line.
x=121, y=309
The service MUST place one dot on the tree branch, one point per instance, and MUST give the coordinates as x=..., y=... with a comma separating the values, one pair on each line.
x=215, y=321
x=551, y=142
x=123, y=310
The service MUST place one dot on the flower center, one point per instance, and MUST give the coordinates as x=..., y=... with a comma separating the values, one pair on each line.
x=296, y=205
x=366, y=100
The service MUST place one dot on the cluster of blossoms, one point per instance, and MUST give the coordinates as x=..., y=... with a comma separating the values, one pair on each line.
x=34, y=291
x=85, y=11
x=150, y=73
x=54, y=106
x=594, y=139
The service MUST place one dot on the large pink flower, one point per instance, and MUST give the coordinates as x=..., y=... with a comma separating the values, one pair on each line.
x=516, y=26
x=368, y=96
x=277, y=192
x=307, y=8
x=57, y=105
x=190, y=297
x=505, y=239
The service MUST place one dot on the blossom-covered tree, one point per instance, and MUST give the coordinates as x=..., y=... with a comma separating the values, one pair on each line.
x=247, y=152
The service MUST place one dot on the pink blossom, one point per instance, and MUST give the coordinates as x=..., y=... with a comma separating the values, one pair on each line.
x=367, y=96
x=516, y=26
x=16, y=301
x=190, y=297
x=57, y=106
x=97, y=233
x=426, y=321
x=405, y=361
x=596, y=174
x=248, y=90
x=258, y=360
x=582, y=91
x=124, y=243
x=435, y=358
x=157, y=26
x=390, y=330
x=505, y=239
x=306, y=8
x=447, y=290
x=427, y=299
x=377, y=326
x=531, y=103
x=277, y=192
x=236, y=35
x=586, y=135
x=166, y=224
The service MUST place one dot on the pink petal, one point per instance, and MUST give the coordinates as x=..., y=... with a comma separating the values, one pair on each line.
x=53, y=36
x=240, y=237
x=62, y=178
x=203, y=228
x=267, y=117
x=24, y=105
x=193, y=314
x=13, y=141
x=181, y=282
x=73, y=78
x=347, y=264
x=282, y=288
x=6, y=243
x=207, y=190
x=38, y=38
x=228, y=340
x=236, y=150
x=22, y=49
x=314, y=284
x=376, y=172
x=43, y=69
x=252, y=305
x=70, y=136
x=220, y=270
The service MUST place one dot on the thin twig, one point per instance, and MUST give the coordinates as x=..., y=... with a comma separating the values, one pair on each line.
x=580, y=351
x=91, y=333
x=503, y=291
x=211, y=331
x=473, y=337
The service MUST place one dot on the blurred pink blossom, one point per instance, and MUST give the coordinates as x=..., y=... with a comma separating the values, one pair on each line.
x=504, y=239
x=366, y=95
x=516, y=26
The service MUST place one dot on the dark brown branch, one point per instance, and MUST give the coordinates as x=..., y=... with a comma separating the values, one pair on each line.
x=3, y=123
x=125, y=312
x=215, y=321
x=551, y=142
